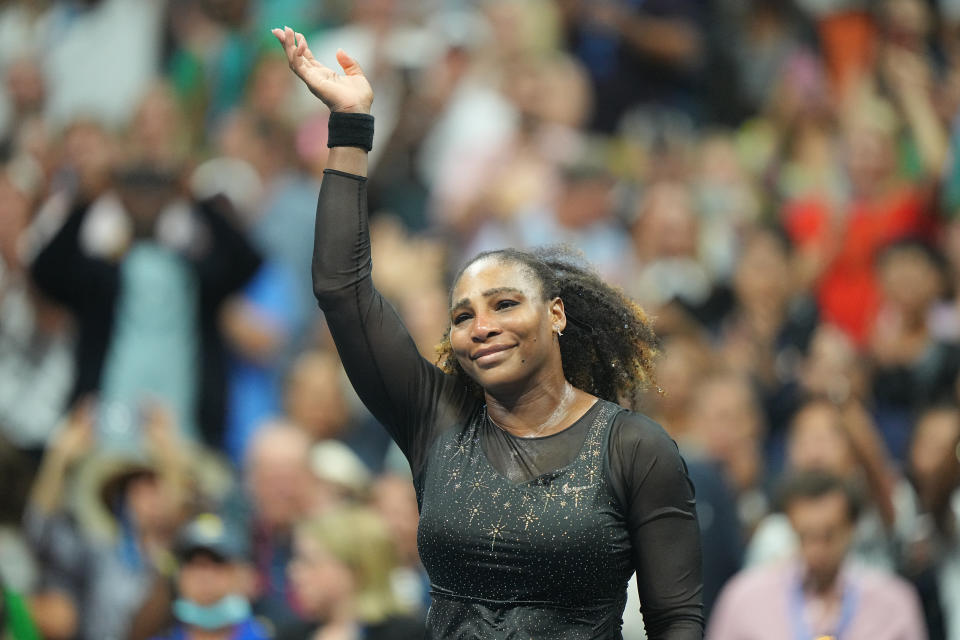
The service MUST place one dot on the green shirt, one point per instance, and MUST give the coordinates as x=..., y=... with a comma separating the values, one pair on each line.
x=18, y=623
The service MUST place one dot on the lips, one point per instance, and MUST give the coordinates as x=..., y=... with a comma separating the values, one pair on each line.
x=487, y=351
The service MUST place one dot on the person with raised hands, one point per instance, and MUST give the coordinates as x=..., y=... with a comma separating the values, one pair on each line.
x=539, y=494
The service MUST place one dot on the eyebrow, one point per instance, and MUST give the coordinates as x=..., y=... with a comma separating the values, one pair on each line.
x=462, y=302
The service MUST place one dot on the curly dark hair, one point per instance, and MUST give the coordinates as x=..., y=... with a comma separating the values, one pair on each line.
x=608, y=346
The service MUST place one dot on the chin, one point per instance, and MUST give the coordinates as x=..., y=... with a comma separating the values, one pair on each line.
x=500, y=378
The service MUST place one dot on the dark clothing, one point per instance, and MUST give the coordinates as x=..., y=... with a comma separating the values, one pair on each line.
x=630, y=485
x=901, y=392
x=720, y=533
x=90, y=287
x=623, y=77
x=569, y=520
x=395, y=628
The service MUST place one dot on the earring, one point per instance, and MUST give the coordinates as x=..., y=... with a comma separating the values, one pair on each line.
x=557, y=329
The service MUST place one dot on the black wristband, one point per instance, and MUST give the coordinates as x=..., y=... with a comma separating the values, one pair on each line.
x=350, y=130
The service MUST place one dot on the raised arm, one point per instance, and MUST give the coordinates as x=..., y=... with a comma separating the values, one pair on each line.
x=406, y=393
x=66, y=274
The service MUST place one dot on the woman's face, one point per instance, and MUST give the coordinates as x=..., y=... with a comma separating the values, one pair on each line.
x=321, y=582
x=501, y=330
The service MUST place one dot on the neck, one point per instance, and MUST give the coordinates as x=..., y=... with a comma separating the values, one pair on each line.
x=824, y=587
x=540, y=410
x=341, y=618
x=915, y=321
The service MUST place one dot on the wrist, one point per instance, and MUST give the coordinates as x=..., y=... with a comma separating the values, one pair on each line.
x=350, y=129
x=357, y=108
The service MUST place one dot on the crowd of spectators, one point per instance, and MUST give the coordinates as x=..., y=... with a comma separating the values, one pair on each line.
x=777, y=182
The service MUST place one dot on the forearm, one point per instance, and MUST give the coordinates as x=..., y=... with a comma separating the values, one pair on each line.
x=61, y=270
x=251, y=334
x=174, y=470
x=928, y=132
x=231, y=260
x=396, y=384
x=672, y=41
x=351, y=160
x=47, y=493
x=676, y=627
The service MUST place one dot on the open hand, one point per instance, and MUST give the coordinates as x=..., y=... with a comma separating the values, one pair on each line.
x=349, y=93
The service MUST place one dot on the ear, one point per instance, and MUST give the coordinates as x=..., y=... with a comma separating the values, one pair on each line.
x=558, y=316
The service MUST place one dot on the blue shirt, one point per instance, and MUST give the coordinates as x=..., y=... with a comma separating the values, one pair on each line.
x=248, y=630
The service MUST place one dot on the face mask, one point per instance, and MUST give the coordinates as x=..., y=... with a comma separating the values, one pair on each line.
x=227, y=612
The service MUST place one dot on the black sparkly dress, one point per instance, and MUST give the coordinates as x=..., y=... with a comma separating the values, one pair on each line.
x=550, y=556
x=523, y=538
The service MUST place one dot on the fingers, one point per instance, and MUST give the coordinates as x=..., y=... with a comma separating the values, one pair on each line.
x=350, y=66
x=286, y=38
x=294, y=45
x=303, y=49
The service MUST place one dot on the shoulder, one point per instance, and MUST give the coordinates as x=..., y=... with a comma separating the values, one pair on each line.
x=632, y=431
x=634, y=426
x=643, y=455
x=883, y=588
x=754, y=599
x=887, y=600
x=764, y=582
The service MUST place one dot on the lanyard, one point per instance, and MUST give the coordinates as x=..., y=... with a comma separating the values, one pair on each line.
x=802, y=631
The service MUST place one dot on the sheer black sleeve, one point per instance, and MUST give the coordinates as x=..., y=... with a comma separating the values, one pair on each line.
x=650, y=479
x=408, y=395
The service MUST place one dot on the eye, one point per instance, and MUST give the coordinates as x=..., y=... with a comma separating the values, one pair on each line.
x=461, y=317
x=506, y=304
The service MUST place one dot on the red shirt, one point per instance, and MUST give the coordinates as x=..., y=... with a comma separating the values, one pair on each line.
x=847, y=291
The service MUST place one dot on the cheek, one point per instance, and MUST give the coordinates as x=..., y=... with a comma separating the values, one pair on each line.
x=191, y=586
x=459, y=339
x=460, y=345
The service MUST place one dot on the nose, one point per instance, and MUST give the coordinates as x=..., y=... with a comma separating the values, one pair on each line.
x=484, y=327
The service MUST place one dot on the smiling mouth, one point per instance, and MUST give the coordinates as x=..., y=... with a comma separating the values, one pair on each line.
x=483, y=353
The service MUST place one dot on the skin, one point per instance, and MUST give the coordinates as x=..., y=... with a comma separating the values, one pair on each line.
x=825, y=532
x=314, y=398
x=279, y=477
x=323, y=585
x=935, y=457
x=817, y=441
x=504, y=335
x=525, y=390
x=205, y=580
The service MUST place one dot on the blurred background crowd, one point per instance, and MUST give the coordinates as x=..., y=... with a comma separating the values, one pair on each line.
x=777, y=182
